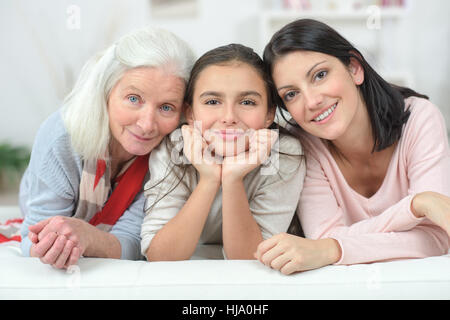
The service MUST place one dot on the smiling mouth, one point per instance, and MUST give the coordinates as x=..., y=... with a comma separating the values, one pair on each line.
x=230, y=135
x=326, y=114
x=139, y=137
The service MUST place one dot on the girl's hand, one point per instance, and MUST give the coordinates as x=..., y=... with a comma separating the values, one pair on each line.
x=434, y=206
x=288, y=253
x=59, y=241
x=260, y=144
x=197, y=152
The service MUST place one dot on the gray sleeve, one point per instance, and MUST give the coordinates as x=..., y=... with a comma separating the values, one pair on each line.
x=49, y=186
x=127, y=229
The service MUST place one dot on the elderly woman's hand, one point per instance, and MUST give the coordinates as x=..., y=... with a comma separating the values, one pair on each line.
x=59, y=241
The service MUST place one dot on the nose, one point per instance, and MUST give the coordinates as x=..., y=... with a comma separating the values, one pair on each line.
x=313, y=99
x=229, y=116
x=147, y=120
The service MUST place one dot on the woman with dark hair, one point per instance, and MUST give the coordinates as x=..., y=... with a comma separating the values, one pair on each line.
x=220, y=179
x=377, y=157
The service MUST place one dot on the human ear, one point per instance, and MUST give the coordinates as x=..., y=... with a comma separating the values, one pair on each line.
x=356, y=71
x=270, y=116
x=189, y=115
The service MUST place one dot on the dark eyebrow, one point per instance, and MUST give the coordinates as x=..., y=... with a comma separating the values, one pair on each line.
x=307, y=74
x=249, y=93
x=211, y=93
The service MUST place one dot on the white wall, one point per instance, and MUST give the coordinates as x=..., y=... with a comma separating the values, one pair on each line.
x=40, y=55
x=424, y=47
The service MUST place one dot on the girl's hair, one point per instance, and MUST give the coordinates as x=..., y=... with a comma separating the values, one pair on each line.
x=85, y=109
x=384, y=101
x=226, y=55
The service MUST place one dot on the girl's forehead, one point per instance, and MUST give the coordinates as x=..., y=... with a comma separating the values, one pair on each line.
x=230, y=72
x=229, y=65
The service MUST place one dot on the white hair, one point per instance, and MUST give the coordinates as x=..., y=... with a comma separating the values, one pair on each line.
x=84, y=110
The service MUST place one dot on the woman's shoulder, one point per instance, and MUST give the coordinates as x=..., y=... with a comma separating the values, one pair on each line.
x=424, y=115
x=52, y=133
x=169, y=150
x=289, y=144
x=167, y=159
x=286, y=158
x=311, y=145
x=52, y=158
x=421, y=106
x=52, y=139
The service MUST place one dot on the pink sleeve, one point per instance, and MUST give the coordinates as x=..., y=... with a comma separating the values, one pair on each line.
x=428, y=154
x=396, y=232
x=321, y=215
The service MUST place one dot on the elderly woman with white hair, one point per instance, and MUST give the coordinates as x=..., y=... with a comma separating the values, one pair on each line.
x=82, y=193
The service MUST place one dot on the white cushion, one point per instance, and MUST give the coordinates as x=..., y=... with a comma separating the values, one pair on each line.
x=95, y=278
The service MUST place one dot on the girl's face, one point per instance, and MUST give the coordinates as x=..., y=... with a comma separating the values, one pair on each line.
x=320, y=92
x=228, y=101
x=143, y=107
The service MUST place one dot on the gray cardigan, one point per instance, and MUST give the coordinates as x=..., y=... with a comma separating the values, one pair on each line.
x=50, y=187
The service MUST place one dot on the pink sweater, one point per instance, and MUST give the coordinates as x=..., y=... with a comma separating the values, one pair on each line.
x=381, y=227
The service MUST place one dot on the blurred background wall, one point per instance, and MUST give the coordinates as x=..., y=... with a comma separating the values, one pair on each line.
x=45, y=43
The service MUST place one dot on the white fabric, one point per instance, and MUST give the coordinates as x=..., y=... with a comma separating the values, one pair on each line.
x=94, y=278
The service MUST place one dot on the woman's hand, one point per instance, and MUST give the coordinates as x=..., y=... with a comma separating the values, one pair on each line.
x=260, y=145
x=288, y=253
x=196, y=151
x=434, y=206
x=59, y=241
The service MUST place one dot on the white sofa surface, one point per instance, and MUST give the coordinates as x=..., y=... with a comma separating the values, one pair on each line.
x=210, y=279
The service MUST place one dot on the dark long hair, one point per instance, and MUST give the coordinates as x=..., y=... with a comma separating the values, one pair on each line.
x=384, y=101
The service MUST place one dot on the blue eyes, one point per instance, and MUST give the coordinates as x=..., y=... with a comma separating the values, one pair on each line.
x=133, y=99
x=136, y=100
x=166, y=108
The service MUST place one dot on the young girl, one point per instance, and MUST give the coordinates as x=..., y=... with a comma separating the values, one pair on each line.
x=377, y=157
x=218, y=181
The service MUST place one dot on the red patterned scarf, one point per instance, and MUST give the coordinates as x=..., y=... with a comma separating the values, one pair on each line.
x=94, y=205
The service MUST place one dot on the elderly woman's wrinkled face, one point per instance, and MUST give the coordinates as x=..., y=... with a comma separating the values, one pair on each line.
x=144, y=106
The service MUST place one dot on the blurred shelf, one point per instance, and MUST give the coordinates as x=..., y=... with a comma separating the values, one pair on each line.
x=273, y=20
x=385, y=13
